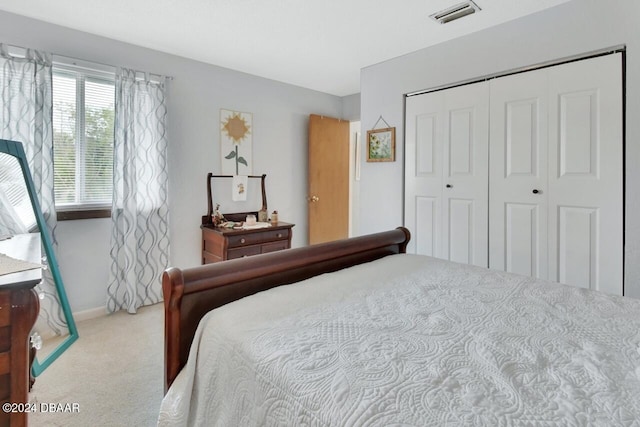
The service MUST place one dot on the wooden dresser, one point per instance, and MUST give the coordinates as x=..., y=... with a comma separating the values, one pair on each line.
x=19, y=306
x=220, y=244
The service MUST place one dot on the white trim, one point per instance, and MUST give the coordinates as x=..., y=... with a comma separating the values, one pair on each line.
x=550, y=63
x=79, y=65
x=92, y=313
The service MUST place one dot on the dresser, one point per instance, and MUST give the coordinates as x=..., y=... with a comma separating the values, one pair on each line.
x=19, y=306
x=221, y=244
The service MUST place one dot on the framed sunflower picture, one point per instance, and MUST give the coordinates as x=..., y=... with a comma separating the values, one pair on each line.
x=236, y=142
x=381, y=145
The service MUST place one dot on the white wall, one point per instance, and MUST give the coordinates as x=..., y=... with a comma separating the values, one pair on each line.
x=576, y=27
x=351, y=107
x=196, y=94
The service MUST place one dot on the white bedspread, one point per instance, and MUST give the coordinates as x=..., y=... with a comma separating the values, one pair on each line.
x=411, y=340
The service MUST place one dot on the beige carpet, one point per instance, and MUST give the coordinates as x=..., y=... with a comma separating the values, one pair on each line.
x=114, y=372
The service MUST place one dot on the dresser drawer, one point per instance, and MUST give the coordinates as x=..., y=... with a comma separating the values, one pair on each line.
x=5, y=308
x=5, y=363
x=258, y=237
x=5, y=390
x=213, y=247
x=243, y=252
x=5, y=338
x=275, y=246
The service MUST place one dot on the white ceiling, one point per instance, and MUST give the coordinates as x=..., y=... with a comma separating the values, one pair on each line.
x=320, y=44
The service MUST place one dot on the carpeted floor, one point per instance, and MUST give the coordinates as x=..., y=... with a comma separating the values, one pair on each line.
x=113, y=372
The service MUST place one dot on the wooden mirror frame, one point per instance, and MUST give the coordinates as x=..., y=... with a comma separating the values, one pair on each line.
x=237, y=216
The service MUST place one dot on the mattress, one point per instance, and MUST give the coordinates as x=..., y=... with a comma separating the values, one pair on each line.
x=413, y=340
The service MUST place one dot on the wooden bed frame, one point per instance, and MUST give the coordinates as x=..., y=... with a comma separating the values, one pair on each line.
x=191, y=293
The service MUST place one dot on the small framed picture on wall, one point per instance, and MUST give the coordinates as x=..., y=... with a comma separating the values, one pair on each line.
x=381, y=145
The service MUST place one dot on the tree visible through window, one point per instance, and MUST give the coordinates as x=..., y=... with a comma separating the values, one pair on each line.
x=83, y=126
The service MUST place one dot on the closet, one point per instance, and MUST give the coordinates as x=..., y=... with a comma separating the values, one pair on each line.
x=522, y=173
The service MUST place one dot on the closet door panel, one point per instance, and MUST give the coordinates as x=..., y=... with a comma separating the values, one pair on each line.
x=461, y=140
x=427, y=226
x=446, y=177
x=461, y=231
x=522, y=238
x=521, y=140
x=424, y=135
x=585, y=177
x=578, y=246
x=465, y=197
x=578, y=134
x=518, y=174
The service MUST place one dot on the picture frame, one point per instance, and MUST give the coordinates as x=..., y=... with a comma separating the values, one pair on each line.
x=236, y=142
x=381, y=145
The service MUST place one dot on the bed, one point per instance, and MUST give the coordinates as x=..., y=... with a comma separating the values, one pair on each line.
x=359, y=333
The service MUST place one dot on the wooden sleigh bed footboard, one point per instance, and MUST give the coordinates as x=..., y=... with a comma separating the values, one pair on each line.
x=191, y=293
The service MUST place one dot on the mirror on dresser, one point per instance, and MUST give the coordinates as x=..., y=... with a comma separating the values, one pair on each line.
x=21, y=221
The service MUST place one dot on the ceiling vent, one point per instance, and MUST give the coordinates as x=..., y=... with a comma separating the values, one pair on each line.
x=455, y=12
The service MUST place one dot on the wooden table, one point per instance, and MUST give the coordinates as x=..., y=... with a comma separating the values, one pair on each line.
x=19, y=307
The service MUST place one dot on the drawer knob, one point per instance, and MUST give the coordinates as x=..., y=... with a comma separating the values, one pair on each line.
x=242, y=240
x=279, y=235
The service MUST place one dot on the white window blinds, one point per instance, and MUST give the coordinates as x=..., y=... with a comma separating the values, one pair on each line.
x=83, y=125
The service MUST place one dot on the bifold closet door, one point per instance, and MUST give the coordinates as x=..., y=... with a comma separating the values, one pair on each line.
x=586, y=180
x=518, y=174
x=446, y=192
x=556, y=164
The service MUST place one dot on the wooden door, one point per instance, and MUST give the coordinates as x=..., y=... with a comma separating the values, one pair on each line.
x=328, y=197
x=518, y=174
x=446, y=173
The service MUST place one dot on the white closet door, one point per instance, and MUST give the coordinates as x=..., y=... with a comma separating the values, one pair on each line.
x=585, y=179
x=424, y=136
x=446, y=192
x=518, y=174
x=465, y=194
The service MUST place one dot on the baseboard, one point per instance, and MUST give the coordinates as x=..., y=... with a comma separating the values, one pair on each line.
x=92, y=313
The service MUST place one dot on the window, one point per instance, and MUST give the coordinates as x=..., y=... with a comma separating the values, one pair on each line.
x=83, y=134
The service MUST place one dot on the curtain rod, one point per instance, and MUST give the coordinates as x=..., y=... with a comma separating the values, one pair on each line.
x=86, y=63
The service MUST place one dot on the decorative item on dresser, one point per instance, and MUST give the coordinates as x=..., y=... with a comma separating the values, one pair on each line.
x=220, y=243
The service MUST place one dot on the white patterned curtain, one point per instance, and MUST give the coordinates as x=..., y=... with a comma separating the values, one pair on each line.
x=140, y=213
x=25, y=116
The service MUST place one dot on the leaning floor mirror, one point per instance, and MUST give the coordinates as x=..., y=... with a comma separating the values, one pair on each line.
x=21, y=217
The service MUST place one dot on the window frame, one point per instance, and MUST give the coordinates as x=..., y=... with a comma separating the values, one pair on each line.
x=82, y=72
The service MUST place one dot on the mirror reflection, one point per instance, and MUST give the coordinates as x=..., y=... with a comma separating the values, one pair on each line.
x=20, y=219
